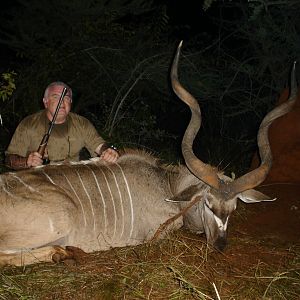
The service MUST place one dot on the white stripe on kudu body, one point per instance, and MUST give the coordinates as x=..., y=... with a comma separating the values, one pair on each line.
x=77, y=197
x=88, y=196
x=102, y=198
x=5, y=190
x=112, y=201
x=73, y=190
x=24, y=183
x=130, y=199
x=49, y=178
x=121, y=199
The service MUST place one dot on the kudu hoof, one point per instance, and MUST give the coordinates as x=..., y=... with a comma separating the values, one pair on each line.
x=69, y=256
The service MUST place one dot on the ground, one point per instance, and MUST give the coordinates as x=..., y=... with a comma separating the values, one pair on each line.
x=278, y=221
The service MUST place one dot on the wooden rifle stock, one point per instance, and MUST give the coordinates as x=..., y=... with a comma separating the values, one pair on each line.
x=45, y=139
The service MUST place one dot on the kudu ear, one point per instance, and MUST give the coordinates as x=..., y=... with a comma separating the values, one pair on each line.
x=248, y=196
x=253, y=196
x=185, y=195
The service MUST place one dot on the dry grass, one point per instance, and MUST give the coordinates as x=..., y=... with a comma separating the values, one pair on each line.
x=178, y=267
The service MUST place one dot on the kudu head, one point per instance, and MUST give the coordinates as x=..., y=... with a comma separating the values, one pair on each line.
x=219, y=198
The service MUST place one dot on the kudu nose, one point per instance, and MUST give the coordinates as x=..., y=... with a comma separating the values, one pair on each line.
x=220, y=244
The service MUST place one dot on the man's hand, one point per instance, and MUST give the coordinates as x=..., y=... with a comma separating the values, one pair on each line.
x=107, y=152
x=109, y=155
x=34, y=159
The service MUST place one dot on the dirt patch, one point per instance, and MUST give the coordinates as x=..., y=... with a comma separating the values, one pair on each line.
x=278, y=221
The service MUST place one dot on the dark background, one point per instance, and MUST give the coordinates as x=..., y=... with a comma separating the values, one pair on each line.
x=116, y=56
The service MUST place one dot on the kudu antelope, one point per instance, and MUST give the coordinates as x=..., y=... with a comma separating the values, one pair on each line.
x=95, y=205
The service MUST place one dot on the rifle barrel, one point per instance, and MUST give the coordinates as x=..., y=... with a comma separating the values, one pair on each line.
x=56, y=110
x=45, y=138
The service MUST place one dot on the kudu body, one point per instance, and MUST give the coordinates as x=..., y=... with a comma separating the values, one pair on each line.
x=95, y=205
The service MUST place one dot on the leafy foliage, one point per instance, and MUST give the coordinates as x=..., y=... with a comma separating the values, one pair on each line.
x=7, y=85
x=7, y=88
x=274, y=27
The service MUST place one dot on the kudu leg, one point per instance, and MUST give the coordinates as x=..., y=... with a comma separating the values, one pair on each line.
x=44, y=254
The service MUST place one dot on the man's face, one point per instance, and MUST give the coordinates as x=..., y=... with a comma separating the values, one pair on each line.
x=52, y=100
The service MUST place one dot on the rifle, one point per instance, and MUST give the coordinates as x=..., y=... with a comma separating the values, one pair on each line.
x=44, y=142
